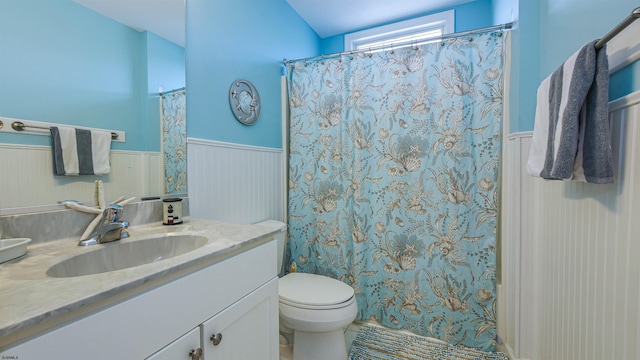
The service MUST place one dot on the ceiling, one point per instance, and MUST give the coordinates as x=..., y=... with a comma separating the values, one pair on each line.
x=166, y=18
x=162, y=17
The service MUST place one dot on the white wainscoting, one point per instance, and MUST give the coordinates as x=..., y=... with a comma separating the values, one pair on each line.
x=571, y=255
x=515, y=298
x=233, y=182
x=624, y=48
x=28, y=181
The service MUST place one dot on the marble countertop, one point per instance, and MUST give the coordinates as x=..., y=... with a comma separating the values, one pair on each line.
x=30, y=299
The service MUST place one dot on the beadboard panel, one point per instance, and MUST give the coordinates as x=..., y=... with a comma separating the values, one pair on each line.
x=28, y=180
x=234, y=183
x=570, y=254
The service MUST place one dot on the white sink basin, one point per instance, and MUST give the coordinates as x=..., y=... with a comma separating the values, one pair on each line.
x=120, y=255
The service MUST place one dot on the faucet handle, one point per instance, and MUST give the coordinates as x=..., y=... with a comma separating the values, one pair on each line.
x=125, y=230
x=112, y=213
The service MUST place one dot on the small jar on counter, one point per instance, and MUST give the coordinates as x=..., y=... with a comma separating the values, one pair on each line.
x=172, y=211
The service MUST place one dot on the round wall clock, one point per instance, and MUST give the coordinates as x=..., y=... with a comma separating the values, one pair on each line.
x=244, y=101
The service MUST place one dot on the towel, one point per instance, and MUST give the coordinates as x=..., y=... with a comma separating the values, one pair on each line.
x=571, y=137
x=80, y=152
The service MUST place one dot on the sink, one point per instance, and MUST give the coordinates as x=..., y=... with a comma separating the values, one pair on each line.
x=126, y=254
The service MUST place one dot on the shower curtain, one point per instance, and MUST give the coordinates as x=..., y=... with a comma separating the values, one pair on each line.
x=174, y=141
x=393, y=183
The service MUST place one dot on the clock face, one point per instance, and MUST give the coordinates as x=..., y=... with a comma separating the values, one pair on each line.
x=244, y=102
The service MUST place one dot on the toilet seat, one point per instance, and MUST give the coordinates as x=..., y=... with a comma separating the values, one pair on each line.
x=314, y=292
x=318, y=307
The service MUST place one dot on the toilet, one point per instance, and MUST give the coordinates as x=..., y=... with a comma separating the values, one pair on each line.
x=315, y=309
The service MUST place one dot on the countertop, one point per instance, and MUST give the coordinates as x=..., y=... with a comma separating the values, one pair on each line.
x=30, y=299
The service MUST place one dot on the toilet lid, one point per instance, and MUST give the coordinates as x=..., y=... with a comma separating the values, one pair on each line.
x=313, y=290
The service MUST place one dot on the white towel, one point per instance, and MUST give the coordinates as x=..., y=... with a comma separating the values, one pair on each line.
x=570, y=135
x=80, y=152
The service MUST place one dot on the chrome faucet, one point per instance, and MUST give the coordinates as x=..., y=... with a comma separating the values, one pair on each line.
x=110, y=229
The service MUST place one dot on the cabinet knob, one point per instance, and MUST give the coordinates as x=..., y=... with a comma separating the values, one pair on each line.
x=216, y=339
x=195, y=354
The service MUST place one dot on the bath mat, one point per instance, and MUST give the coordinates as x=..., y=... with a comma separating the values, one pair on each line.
x=377, y=343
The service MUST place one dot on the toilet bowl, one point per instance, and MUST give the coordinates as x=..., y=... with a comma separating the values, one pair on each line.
x=315, y=309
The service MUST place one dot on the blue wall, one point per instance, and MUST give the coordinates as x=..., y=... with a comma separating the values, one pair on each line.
x=63, y=63
x=240, y=39
x=247, y=39
x=549, y=31
x=546, y=32
x=625, y=81
x=472, y=15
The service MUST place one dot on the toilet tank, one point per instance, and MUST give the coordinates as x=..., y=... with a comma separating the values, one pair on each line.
x=280, y=236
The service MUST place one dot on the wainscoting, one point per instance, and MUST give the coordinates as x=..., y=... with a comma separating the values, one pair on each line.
x=28, y=181
x=570, y=254
x=233, y=182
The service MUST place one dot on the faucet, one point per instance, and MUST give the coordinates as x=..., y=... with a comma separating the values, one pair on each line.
x=110, y=229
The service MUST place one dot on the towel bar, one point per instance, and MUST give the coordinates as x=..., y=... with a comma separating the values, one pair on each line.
x=635, y=14
x=20, y=126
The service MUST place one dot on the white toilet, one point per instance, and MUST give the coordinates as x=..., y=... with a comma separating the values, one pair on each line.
x=314, y=308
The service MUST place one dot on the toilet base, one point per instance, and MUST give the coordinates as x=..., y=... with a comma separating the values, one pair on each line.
x=286, y=352
x=319, y=345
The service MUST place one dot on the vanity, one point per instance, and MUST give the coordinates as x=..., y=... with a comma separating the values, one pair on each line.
x=204, y=290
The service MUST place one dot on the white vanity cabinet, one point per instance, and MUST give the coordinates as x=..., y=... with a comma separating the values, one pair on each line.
x=236, y=297
x=242, y=331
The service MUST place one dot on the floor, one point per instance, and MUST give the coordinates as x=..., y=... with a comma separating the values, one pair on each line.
x=350, y=333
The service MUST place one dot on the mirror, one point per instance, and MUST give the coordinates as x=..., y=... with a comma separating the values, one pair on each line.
x=63, y=63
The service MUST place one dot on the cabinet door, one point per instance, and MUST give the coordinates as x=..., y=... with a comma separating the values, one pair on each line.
x=248, y=329
x=181, y=349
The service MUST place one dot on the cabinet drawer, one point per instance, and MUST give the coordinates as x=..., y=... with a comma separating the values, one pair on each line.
x=179, y=349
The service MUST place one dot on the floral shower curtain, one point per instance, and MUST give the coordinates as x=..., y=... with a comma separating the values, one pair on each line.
x=174, y=141
x=393, y=182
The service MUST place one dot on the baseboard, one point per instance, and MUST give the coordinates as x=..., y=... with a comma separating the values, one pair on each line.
x=507, y=350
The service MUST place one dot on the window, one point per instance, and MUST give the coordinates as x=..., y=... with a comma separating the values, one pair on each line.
x=411, y=32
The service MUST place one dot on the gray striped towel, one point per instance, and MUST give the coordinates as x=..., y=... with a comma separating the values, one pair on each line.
x=79, y=151
x=571, y=139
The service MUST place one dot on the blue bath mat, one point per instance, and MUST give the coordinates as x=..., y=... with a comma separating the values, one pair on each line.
x=377, y=343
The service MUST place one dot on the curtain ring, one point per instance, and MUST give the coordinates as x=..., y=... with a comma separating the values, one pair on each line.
x=322, y=61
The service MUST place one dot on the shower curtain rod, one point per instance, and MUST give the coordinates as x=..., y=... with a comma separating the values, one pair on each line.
x=172, y=91
x=506, y=26
x=635, y=14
